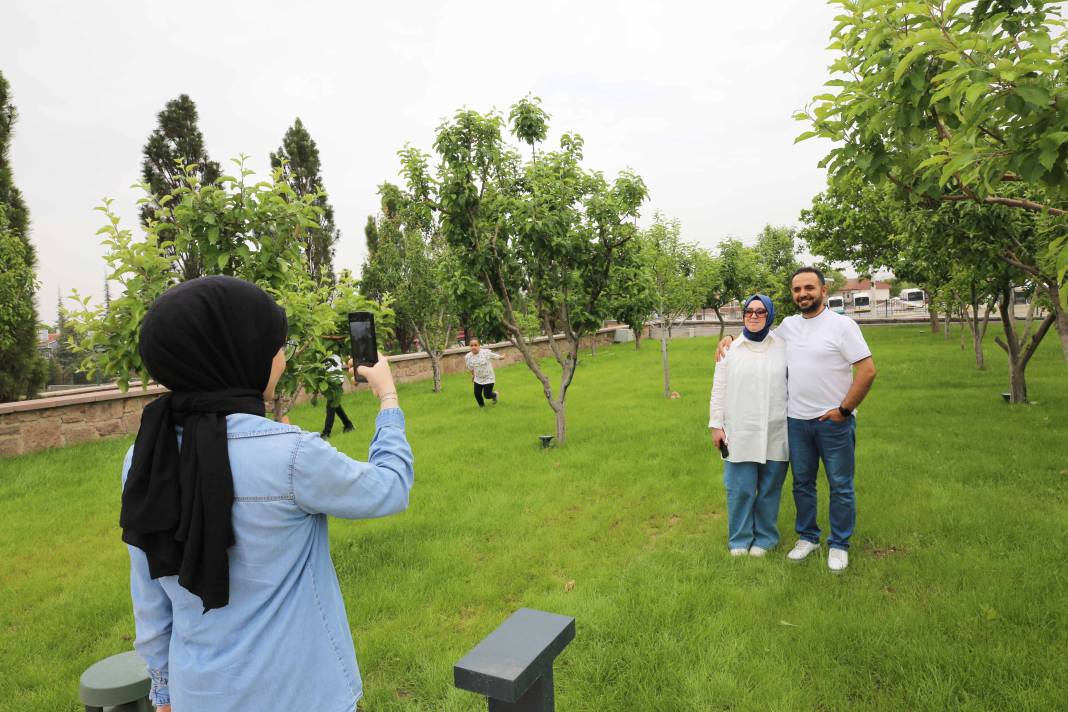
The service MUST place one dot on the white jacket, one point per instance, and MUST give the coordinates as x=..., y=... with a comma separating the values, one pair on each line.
x=749, y=400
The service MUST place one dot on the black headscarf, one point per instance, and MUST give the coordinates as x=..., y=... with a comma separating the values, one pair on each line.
x=210, y=341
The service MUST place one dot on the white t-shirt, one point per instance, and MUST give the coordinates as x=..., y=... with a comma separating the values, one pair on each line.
x=820, y=353
x=480, y=365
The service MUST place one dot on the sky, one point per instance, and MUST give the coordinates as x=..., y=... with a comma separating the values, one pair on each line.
x=697, y=98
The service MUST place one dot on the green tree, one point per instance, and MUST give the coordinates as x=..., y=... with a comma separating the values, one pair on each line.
x=710, y=279
x=64, y=358
x=867, y=226
x=539, y=236
x=22, y=370
x=672, y=266
x=298, y=158
x=381, y=273
x=423, y=267
x=248, y=230
x=174, y=150
x=778, y=256
x=741, y=274
x=954, y=102
x=630, y=292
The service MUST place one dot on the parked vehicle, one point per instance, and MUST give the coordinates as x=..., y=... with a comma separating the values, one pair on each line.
x=913, y=297
x=836, y=304
x=861, y=302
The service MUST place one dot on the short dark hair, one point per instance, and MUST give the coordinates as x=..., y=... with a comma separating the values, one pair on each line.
x=813, y=270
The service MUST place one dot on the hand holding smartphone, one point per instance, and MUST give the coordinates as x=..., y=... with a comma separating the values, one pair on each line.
x=364, y=343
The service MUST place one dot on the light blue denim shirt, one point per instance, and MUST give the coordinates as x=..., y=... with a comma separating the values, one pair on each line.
x=283, y=641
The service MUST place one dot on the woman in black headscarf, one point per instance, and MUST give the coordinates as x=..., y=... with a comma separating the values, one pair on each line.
x=224, y=512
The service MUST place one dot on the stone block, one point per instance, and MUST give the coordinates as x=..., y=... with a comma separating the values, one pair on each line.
x=41, y=433
x=6, y=430
x=77, y=433
x=73, y=414
x=11, y=445
x=110, y=427
x=132, y=421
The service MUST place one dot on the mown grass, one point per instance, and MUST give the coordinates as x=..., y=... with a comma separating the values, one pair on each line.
x=954, y=598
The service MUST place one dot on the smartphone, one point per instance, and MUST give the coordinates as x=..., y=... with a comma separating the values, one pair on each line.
x=723, y=448
x=364, y=343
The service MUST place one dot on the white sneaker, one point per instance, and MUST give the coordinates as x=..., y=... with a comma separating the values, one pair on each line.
x=739, y=552
x=837, y=560
x=757, y=551
x=801, y=550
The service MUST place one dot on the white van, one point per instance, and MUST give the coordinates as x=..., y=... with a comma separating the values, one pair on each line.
x=861, y=302
x=913, y=297
x=836, y=304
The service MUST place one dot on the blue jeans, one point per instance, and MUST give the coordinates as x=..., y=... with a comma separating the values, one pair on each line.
x=834, y=443
x=753, y=493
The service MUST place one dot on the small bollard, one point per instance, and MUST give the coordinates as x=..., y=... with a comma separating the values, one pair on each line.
x=116, y=684
x=513, y=665
x=546, y=440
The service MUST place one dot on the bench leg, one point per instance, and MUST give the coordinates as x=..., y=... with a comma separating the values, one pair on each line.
x=539, y=698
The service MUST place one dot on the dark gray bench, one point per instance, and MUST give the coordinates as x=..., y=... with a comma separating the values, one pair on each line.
x=513, y=665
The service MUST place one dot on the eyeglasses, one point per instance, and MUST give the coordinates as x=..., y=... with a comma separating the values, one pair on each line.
x=290, y=349
x=756, y=312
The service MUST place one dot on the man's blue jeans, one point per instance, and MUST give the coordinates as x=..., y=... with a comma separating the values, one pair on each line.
x=753, y=493
x=834, y=443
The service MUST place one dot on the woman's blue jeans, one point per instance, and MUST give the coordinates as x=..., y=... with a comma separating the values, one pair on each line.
x=753, y=493
x=834, y=443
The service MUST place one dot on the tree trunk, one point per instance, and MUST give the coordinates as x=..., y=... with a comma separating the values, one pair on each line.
x=593, y=344
x=932, y=314
x=978, y=331
x=722, y=324
x=435, y=365
x=664, y=360
x=1061, y=317
x=945, y=327
x=1017, y=382
x=1019, y=349
x=561, y=423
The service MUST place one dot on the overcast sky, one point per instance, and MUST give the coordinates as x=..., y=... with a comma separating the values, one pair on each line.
x=695, y=97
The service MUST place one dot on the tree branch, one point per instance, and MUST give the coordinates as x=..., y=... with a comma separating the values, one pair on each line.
x=1009, y=202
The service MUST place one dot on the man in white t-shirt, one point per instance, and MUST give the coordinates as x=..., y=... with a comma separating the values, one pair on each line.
x=829, y=372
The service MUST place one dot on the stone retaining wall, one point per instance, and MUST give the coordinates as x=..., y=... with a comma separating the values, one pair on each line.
x=91, y=413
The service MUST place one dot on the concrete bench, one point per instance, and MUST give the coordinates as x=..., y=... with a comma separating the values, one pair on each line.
x=513, y=665
x=116, y=684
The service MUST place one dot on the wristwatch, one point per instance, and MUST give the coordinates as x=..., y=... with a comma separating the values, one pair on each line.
x=846, y=412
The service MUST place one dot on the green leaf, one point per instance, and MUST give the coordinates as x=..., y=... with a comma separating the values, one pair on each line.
x=222, y=260
x=1048, y=157
x=806, y=135
x=1055, y=139
x=903, y=66
x=1033, y=94
x=975, y=91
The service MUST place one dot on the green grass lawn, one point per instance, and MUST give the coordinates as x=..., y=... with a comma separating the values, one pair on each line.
x=954, y=598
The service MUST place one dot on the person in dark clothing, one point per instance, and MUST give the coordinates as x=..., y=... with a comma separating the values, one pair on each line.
x=335, y=375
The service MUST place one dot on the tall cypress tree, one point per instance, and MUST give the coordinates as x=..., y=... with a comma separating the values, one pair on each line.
x=298, y=156
x=176, y=138
x=22, y=370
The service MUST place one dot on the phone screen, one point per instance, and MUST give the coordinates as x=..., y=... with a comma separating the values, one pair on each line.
x=362, y=331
